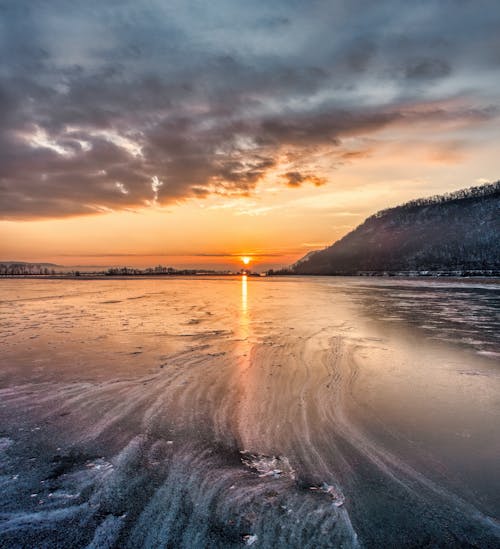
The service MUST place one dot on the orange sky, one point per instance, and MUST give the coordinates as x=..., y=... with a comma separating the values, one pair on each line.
x=136, y=134
x=275, y=225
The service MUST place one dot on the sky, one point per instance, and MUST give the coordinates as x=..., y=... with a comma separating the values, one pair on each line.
x=191, y=133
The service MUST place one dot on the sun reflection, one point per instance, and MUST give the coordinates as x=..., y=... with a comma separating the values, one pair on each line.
x=246, y=379
x=244, y=320
x=243, y=346
x=244, y=295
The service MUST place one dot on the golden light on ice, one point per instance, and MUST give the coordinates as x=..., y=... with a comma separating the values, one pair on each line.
x=246, y=260
x=244, y=296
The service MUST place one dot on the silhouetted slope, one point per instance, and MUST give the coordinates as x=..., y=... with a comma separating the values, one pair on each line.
x=457, y=231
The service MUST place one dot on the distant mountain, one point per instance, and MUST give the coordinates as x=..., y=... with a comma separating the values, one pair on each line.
x=459, y=231
x=23, y=268
x=29, y=263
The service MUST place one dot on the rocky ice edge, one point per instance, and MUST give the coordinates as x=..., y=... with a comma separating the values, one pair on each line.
x=268, y=466
x=279, y=467
x=335, y=493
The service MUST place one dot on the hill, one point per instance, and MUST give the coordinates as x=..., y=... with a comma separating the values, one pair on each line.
x=25, y=268
x=456, y=233
x=28, y=263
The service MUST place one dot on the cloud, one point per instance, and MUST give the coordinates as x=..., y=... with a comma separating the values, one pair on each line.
x=296, y=179
x=125, y=105
x=256, y=254
x=427, y=69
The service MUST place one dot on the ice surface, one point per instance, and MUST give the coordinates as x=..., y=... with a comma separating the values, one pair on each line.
x=291, y=412
x=275, y=466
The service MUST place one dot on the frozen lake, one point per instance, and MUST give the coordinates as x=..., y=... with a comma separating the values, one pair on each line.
x=271, y=412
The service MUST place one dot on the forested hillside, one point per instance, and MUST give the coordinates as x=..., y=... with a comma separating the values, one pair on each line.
x=454, y=232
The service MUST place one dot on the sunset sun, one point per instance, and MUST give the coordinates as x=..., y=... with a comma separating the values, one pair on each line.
x=246, y=260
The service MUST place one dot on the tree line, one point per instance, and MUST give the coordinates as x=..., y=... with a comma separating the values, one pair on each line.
x=480, y=191
x=20, y=269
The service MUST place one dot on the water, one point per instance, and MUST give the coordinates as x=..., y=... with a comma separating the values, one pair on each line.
x=278, y=412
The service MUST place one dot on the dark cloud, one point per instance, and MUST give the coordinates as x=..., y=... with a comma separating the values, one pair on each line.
x=296, y=179
x=125, y=104
x=427, y=69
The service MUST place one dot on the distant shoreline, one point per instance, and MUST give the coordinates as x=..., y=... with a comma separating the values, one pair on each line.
x=493, y=279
